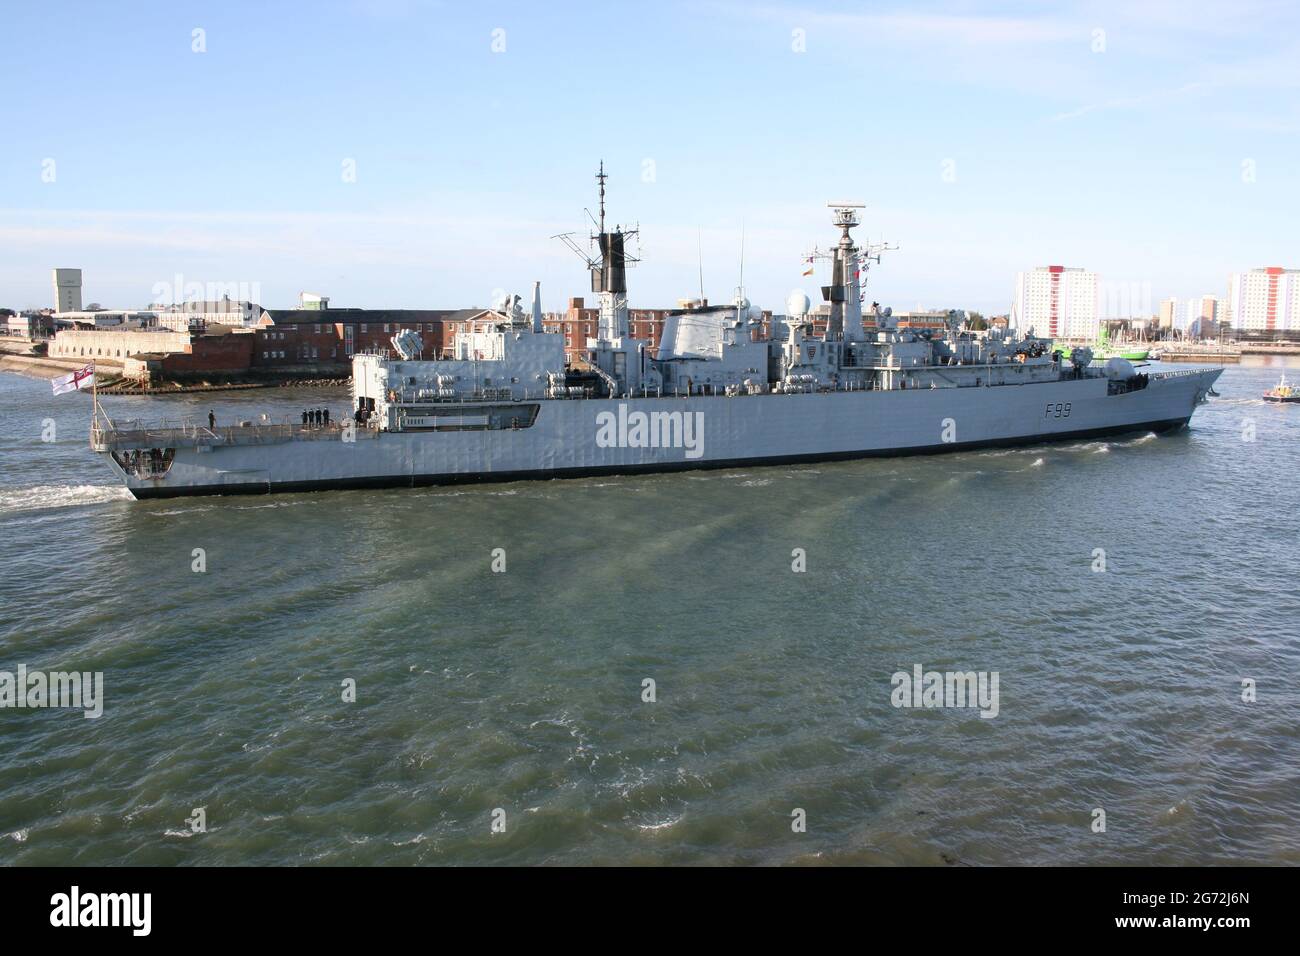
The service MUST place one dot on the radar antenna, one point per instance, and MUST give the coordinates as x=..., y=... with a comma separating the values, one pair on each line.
x=612, y=246
x=600, y=179
x=849, y=265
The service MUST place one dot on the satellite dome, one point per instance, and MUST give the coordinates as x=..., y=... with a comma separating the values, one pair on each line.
x=1119, y=368
x=798, y=303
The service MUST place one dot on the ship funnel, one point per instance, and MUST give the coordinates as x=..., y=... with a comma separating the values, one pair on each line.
x=537, y=307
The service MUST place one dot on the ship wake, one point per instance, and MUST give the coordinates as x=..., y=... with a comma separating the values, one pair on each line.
x=13, y=500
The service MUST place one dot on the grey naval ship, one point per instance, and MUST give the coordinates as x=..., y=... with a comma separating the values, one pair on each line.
x=717, y=392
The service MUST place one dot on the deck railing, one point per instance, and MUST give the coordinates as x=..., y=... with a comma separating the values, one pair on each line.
x=1173, y=372
x=107, y=435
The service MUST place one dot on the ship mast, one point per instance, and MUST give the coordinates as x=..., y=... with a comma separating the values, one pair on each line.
x=846, y=308
x=608, y=269
x=600, y=178
x=848, y=263
x=609, y=276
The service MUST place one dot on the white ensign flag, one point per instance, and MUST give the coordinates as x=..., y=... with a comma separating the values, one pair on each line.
x=81, y=378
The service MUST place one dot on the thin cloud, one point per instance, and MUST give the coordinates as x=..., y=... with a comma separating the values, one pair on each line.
x=960, y=28
x=1131, y=102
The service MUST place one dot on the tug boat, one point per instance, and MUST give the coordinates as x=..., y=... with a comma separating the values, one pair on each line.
x=1283, y=393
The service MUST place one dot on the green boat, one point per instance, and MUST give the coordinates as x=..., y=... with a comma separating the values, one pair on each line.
x=1106, y=349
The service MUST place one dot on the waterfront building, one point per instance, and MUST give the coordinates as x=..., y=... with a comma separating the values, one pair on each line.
x=112, y=346
x=30, y=325
x=1264, y=303
x=1200, y=316
x=67, y=290
x=321, y=335
x=1203, y=316
x=1168, y=313
x=199, y=314
x=579, y=323
x=100, y=319
x=1058, y=302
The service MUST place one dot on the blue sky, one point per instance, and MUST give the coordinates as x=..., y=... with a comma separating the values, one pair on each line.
x=985, y=138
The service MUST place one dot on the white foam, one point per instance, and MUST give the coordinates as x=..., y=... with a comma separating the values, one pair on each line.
x=671, y=822
x=59, y=496
x=180, y=511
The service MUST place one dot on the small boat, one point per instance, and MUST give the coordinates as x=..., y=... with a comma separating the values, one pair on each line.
x=1284, y=392
x=1101, y=352
x=1106, y=348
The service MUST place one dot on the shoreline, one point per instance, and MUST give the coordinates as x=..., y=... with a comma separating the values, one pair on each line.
x=185, y=389
x=44, y=367
x=36, y=366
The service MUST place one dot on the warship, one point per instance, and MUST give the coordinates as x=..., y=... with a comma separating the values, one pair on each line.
x=719, y=391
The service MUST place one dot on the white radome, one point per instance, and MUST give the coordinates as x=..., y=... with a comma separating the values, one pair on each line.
x=1119, y=368
x=798, y=303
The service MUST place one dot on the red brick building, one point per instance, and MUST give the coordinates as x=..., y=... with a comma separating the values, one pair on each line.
x=217, y=351
x=580, y=323
x=288, y=337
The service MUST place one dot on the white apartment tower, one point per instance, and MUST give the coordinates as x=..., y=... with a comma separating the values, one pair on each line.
x=1058, y=302
x=1264, y=301
x=67, y=290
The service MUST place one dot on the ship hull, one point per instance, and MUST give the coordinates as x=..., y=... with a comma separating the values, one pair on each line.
x=585, y=437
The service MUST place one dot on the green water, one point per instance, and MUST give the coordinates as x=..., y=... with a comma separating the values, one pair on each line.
x=522, y=691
